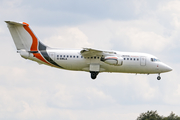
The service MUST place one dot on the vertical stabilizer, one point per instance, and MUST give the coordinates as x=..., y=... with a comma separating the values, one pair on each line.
x=27, y=43
x=21, y=37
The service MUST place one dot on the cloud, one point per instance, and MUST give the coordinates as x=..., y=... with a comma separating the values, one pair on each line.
x=68, y=38
x=33, y=91
x=135, y=35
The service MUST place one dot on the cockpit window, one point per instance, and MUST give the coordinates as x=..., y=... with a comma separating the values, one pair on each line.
x=154, y=59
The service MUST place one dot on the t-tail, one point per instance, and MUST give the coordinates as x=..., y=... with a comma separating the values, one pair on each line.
x=28, y=45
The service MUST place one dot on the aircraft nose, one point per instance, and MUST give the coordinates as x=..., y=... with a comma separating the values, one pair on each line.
x=166, y=68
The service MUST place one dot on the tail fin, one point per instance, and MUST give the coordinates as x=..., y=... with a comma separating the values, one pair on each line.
x=23, y=36
x=27, y=43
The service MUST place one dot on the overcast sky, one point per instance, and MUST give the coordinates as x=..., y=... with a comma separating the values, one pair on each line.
x=37, y=92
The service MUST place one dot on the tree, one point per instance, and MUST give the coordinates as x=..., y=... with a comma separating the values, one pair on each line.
x=172, y=116
x=149, y=115
x=153, y=115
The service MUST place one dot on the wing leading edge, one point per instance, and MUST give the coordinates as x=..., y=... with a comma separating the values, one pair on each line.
x=95, y=52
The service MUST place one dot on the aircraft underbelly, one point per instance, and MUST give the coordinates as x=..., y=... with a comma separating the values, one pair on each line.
x=73, y=64
x=133, y=69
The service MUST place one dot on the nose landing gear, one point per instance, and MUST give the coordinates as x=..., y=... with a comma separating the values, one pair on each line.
x=159, y=77
x=94, y=74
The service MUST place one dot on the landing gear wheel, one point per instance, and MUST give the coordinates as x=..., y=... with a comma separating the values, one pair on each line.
x=158, y=78
x=94, y=75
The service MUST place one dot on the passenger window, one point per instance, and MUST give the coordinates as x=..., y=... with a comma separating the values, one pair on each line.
x=74, y=56
x=130, y=58
x=81, y=56
x=91, y=57
x=124, y=58
x=88, y=57
x=134, y=59
x=94, y=57
x=70, y=56
x=60, y=55
x=77, y=56
x=127, y=58
x=67, y=56
x=64, y=56
x=97, y=57
x=137, y=59
x=57, y=55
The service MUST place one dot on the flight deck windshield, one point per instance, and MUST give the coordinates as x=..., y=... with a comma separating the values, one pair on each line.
x=154, y=59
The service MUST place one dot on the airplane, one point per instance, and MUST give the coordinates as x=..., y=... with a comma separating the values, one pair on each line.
x=90, y=60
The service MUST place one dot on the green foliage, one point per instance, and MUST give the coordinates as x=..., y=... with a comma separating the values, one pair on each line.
x=172, y=116
x=153, y=115
x=149, y=115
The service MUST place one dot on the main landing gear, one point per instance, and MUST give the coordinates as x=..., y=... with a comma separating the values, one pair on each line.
x=159, y=77
x=94, y=74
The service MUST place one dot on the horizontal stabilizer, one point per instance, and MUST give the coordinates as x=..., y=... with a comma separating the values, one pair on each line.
x=16, y=23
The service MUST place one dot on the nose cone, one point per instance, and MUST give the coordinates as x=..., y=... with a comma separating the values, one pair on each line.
x=165, y=68
x=168, y=69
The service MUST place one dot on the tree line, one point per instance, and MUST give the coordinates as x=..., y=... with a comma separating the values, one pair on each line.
x=153, y=115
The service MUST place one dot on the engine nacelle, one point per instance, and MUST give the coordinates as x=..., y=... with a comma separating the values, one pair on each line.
x=113, y=60
x=25, y=54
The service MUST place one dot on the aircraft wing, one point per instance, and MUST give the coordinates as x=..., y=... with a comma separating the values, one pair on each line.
x=95, y=52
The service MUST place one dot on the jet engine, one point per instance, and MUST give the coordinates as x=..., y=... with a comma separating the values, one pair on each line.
x=113, y=60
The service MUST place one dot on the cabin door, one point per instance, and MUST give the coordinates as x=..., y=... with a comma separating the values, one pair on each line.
x=143, y=61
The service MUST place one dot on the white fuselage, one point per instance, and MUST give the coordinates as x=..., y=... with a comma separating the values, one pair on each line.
x=132, y=62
